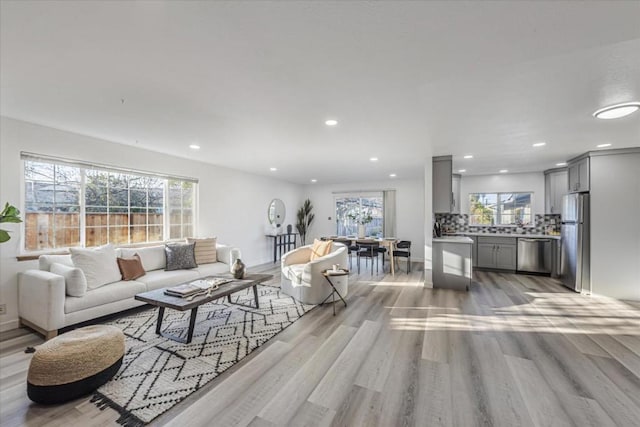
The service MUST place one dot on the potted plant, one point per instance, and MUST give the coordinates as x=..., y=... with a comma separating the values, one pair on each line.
x=362, y=219
x=305, y=218
x=8, y=214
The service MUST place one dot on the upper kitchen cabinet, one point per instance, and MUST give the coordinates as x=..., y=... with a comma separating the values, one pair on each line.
x=579, y=175
x=456, y=193
x=442, y=184
x=556, y=185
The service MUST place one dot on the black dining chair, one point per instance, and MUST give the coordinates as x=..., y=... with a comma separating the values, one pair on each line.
x=403, y=250
x=350, y=248
x=368, y=249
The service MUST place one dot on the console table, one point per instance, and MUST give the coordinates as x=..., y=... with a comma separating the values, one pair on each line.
x=283, y=243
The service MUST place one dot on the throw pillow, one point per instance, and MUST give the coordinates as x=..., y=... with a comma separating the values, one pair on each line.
x=180, y=256
x=98, y=265
x=152, y=257
x=131, y=268
x=205, y=250
x=320, y=248
x=74, y=280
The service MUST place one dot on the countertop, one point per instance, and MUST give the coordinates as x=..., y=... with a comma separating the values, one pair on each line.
x=528, y=236
x=454, y=239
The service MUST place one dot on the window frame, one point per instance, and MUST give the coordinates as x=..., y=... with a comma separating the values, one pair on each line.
x=360, y=195
x=84, y=168
x=499, y=206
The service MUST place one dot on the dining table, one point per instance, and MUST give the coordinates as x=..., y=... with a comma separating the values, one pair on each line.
x=387, y=242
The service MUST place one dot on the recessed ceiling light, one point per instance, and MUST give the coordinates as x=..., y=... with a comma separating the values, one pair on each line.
x=314, y=180
x=194, y=146
x=273, y=169
x=462, y=170
x=539, y=144
x=468, y=156
x=616, y=111
x=561, y=164
x=603, y=145
x=504, y=170
x=373, y=159
x=392, y=175
x=331, y=122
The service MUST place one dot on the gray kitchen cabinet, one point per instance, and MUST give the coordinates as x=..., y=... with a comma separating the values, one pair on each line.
x=579, y=175
x=556, y=185
x=497, y=253
x=442, y=184
x=455, y=208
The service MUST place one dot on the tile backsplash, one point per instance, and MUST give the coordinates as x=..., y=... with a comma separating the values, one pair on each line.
x=459, y=223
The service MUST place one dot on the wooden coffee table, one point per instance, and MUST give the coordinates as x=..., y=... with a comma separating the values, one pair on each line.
x=159, y=299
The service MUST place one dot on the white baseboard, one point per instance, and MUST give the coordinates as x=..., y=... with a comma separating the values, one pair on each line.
x=9, y=325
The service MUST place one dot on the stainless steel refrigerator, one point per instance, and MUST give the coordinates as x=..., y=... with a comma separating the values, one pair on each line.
x=575, y=260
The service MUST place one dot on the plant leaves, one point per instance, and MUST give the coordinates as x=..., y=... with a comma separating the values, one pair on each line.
x=4, y=236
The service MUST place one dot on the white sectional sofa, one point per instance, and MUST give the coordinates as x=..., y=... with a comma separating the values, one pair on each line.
x=44, y=305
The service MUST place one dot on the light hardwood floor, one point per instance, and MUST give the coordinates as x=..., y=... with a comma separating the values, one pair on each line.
x=515, y=350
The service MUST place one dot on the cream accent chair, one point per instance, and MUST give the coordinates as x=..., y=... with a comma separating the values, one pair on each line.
x=302, y=278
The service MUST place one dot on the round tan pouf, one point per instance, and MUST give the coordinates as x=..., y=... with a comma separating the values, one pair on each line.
x=75, y=363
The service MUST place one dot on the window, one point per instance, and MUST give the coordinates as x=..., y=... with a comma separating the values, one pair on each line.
x=352, y=210
x=70, y=204
x=500, y=209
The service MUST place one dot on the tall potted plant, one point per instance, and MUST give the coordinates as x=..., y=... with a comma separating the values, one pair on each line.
x=8, y=214
x=305, y=218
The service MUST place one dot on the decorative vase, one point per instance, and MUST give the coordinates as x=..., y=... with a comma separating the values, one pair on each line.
x=238, y=269
x=360, y=231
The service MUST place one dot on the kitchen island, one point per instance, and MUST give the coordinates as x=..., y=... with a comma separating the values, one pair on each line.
x=452, y=262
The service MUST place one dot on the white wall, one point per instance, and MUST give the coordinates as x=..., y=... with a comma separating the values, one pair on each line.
x=409, y=209
x=615, y=225
x=508, y=182
x=232, y=204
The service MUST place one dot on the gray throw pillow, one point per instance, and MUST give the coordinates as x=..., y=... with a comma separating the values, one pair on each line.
x=180, y=256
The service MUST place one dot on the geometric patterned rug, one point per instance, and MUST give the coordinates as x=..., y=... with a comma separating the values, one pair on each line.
x=157, y=373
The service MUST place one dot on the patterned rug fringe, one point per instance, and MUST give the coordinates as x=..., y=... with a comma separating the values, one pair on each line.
x=126, y=419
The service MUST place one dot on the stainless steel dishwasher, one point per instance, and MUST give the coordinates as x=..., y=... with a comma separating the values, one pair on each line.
x=535, y=255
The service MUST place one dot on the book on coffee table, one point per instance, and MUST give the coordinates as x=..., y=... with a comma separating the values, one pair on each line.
x=184, y=290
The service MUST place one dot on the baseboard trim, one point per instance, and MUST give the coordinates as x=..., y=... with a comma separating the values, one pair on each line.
x=9, y=325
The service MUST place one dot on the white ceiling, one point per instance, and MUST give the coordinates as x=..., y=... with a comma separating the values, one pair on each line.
x=253, y=82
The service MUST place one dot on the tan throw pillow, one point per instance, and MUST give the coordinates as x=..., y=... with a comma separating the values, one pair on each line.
x=320, y=248
x=131, y=268
x=205, y=250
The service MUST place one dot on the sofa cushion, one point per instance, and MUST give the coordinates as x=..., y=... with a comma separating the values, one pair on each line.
x=74, y=279
x=152, y=258
x=131, y=268
x=214, y=269
x=294, y=273
x=98, y=265
x=104, y=295
x=45, y=261
x=180, y=256
x=205, y=250
x=161, y=279
x=320, y=248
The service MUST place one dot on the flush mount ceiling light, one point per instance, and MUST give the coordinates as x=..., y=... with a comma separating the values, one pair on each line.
x=194, y=146
x=314, y=180
x=273, y=169
x=561, y=164
x=373, y=159
x=331, y=122
x=616, y=111
x=603, y=145
x=462, y=170
x=392, y=175
x=539, y=144
x=504, y=170
x=468, y=156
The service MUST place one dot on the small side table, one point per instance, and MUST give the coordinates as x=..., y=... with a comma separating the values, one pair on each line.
x=328, y=274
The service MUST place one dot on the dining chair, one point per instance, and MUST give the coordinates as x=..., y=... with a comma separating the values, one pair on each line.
x=403, y=250
x=350, y=247
x=368, y=249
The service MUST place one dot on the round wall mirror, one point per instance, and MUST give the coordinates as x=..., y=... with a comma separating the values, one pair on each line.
x=276, y=212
